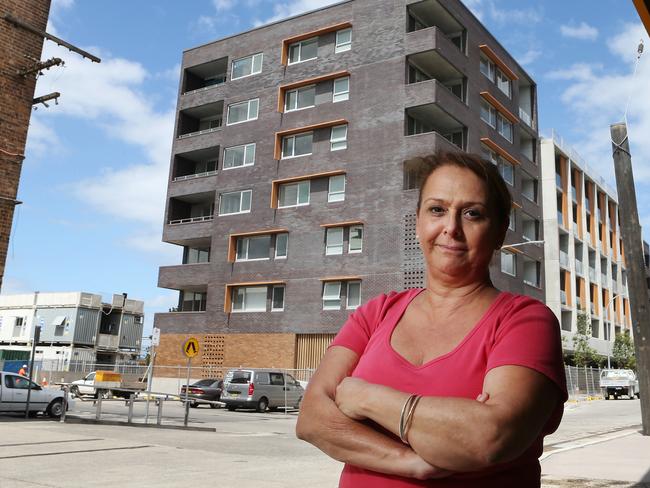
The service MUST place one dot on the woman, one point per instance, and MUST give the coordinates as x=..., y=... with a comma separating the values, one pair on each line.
x=395, y=396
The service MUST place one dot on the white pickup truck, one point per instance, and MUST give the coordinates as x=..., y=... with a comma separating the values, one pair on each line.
x=105, y=384
x=13, y=396
x=619, y=382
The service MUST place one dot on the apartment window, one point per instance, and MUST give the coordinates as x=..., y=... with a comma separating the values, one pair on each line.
x=343, y=40
x=277, y=298
x=209, y=123
x=281, y=245
x=237, y=156
x=303, y=50
x=193, y=301
x=353, y=295
x=250, y=65
x=512, y=224
x=334, y=241
x=332, y=294
x=195, y=255
x=506, y=169
x=532, y=272
x=336, y=192
x=243, y=111
x=508, y=263
x=294, y=194
x=18, y=326
x=297, y=145
x=339, y=137
x=235, y=202
x=300, y=98
x=253, y=248
x=341, y=90
x=488, y=114
x=530, y=231
x=496, y=76
x=504, y=127
x=249, y=299
x=355, y=241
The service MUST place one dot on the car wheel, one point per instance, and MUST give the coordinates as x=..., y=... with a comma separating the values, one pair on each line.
x=194, y=404
x=262, y=404
x=74, y=391
x=214, y=405
x=55, y=408
x=297, y=405
x=231, y=408
x=106, y=394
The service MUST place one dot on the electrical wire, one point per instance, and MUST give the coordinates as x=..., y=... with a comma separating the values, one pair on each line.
x=618, y=146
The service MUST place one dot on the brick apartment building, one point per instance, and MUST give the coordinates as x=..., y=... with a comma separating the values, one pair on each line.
x=19, y=49
x=290, y=188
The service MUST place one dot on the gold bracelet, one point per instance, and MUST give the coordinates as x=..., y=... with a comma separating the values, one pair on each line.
x=402, y=418
x=409, y=417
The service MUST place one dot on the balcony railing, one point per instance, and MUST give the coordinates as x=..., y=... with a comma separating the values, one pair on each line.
x=218, y=80
x=560, y=218
x=199, y=132
x=525, y=116
x=191, y=220
x=195, y=175
x=603, y=279
x=593, y=309
x=564, y=258
x=108, y=341
x=563, y=297
x=579, y=267
x=558, y=181
x=592, y=274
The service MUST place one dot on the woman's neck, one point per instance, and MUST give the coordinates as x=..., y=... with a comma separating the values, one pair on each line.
x=438, y=292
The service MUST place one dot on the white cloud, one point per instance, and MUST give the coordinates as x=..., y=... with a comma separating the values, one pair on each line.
x=476, y=7
x=529, y=56
x=112, y=97
x=598, y=97
x=43, y=139
x=581, y=31
x=514, y=16
x=221, y=5
x=294, y=7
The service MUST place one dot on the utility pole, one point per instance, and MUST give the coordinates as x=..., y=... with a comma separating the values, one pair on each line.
x=636, y=283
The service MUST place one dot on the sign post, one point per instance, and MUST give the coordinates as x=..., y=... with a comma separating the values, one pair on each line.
x=35, y=341
x=190, y=349
x=155, y=341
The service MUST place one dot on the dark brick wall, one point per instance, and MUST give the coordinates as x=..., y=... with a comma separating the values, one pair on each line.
x=17, y=49
x=373, y=161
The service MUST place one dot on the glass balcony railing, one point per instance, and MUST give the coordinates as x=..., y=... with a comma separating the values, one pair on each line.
x=563, y=297
x=564, y=258
x=579, y=267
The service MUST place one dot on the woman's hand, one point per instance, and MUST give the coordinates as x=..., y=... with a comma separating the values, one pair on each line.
x=349, y=394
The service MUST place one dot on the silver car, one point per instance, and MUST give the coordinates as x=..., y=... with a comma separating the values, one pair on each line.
x=260, y=389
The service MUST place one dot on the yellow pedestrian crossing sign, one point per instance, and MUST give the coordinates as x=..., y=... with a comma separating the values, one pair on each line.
x=191, y=347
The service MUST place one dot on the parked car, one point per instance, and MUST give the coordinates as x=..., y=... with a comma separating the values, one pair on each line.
x=105, y=383
x=260, y=389
x=206, y=389
x=13, y=396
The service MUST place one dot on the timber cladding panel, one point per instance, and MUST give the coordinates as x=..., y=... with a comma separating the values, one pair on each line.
x=18, y=49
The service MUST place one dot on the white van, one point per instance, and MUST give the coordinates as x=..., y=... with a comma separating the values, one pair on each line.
x=260, y=389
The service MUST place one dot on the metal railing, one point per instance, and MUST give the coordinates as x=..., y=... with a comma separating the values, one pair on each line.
x=199, y=132
x=191, y=220
x=195, y=175
x=582, y=381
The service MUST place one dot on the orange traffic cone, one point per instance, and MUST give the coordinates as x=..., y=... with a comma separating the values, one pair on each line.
x=44, y=383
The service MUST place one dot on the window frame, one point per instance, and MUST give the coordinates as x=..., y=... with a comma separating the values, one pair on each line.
x=342, y=94
x=300, y=47
x=293, y=136
x=296, y=183
x=345, y=46
x=297, y=92
x=350, y=229
x=333, y=196
x=244, y=310
x=513, y=256
x=347, y=294
x=253, y=72
x=246, y=240
x=241, y=192
x=338, y=140
x=492, y=114
x=246, y=151
x=248, y=111
x=286, y=246
x=331, y=297
x=329, y=234
x=284, y=295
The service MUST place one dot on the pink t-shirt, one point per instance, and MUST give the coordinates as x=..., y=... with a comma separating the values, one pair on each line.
x=515, y=330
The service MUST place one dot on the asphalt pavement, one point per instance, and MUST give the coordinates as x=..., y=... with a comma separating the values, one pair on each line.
x=597, y=445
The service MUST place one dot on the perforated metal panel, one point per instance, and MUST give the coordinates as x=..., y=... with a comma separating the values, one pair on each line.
x=213, y=355
x=413, y=264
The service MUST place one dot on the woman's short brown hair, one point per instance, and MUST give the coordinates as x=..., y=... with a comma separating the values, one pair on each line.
x=499, y=198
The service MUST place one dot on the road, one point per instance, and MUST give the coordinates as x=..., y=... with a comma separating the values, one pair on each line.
x=243, y=449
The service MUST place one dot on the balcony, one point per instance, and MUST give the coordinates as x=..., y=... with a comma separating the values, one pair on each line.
x=428, y=14
x=560, y=218
x=563, y=297
x=426, y=143
x=528, y=146
x=108, y=341
x=526, y=102
x=430, y=65
x=564, y=259
x=434, y=38
x=558, y=181
x=592, y=275
x=579, y=268
x=186, y=276
x=189, y=218
x=204, y=76
x=431, y=118
x=191, y=171
x=200, y=120
x=527, y=119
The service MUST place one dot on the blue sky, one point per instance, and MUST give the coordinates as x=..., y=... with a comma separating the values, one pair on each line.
x=94, y=180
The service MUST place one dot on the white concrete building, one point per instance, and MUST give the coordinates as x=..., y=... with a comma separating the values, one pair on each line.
x=584, y=258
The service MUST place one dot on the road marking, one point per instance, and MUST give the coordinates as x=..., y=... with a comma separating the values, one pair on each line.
x=73, y=452
x=567, y=446
x=48, y=442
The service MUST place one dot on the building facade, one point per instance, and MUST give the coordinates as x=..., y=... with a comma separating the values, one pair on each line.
x=75, y=328
x=292, y=188
x=19, y=49
x=585, y=259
